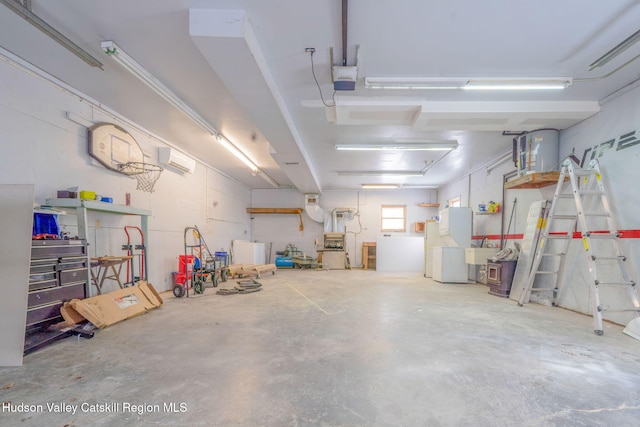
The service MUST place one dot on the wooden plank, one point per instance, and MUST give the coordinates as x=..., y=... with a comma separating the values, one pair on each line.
x=429, y=205
x=275, y=210
x=291, y=211
x=533, y=180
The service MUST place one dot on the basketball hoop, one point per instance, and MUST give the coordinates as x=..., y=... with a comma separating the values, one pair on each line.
x=146, y=174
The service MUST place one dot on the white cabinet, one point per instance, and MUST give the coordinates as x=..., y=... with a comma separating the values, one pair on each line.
x=478, y=256
x=449, y=265
x=245, y=252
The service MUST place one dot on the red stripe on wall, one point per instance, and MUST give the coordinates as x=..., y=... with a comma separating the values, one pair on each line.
x=624, y=234
x=497, y=237
x=630, y=234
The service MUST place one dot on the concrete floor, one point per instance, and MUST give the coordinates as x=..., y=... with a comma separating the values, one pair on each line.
x=337, y=348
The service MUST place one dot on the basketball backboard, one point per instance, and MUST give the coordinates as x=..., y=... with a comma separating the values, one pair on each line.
x=112, y=146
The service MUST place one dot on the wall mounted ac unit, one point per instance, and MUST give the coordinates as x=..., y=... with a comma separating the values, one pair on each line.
x=171, y=157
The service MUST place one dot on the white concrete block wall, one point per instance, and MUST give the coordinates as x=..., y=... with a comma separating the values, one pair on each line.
x=613, y=137
x=482, y=186
x=41, y=146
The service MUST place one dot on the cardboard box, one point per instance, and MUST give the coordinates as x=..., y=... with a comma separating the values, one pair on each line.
x=107, y=309
x=149, y=291
x=70, y=315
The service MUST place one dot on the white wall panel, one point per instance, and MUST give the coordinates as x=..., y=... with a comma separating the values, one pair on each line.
x=40, y=145
x=600, y=137
x=15, y=254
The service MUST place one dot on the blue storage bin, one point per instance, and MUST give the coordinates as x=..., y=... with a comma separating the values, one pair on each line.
x=44, y=223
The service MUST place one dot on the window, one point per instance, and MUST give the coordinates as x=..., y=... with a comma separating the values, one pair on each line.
x=394, y=218
x=454, y=203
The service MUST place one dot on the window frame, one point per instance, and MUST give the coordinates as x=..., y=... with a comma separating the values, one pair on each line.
x=455, y=202
x=383, y=217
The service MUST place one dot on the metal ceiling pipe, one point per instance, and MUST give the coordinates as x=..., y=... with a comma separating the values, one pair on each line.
x=345, y=5
x=334, y=216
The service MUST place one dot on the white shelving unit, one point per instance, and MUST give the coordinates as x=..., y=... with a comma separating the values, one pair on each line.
x=82, y=209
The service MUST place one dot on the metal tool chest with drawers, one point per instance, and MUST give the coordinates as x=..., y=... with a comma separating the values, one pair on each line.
x=58, y=273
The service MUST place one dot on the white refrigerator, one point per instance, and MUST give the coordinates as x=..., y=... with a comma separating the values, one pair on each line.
x=454, y=229
x=431, y=240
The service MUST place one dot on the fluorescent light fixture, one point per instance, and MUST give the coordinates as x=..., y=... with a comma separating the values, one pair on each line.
x=621, y=47
x=267, y=178
x=468, y=83
x=39, y=23
x=120, y=56
x=380, y=173
x=419, y=186
x=379, y=186
x=517, y=84
x=425, y=146
x=413, y=83
x=236, y=152
x=422, y=172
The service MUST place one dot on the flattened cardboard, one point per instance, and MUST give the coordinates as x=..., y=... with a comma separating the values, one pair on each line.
x=70, y=315
x=131, y=300
x=151, y=294
x=107, y=309
x=89, y=311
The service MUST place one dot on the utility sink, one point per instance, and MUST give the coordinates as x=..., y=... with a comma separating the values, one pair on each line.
x=478, y=256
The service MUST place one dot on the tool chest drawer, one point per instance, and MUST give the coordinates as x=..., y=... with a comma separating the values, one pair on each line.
x=58, y=273
x=46, y=265
x=49, y=313
x=72, y=276
x=59, y=248
x=71, y=263
x=57, y=294
x=43, y=281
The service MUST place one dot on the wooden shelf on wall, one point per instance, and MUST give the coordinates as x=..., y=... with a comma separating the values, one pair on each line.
x=282, y=211
x=533, y=180
x=429, y=205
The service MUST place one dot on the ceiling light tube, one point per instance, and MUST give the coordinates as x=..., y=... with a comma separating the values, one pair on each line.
x=621, y=47
x=380, y=173
x=267, y=178
x=379, y=186
x=430, y=146
x=515, y=86
x=468, y=83
x=40, y=24
x=121, y=57
x=417, y=83
x=517, y=83
x=236, y=152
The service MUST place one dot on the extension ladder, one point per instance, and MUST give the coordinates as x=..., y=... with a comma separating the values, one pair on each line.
x=591, y=212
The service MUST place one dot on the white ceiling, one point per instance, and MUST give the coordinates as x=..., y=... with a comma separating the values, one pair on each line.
x=242, y=65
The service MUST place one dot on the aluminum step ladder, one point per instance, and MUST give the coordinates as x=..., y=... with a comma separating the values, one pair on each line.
x=592, y=213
